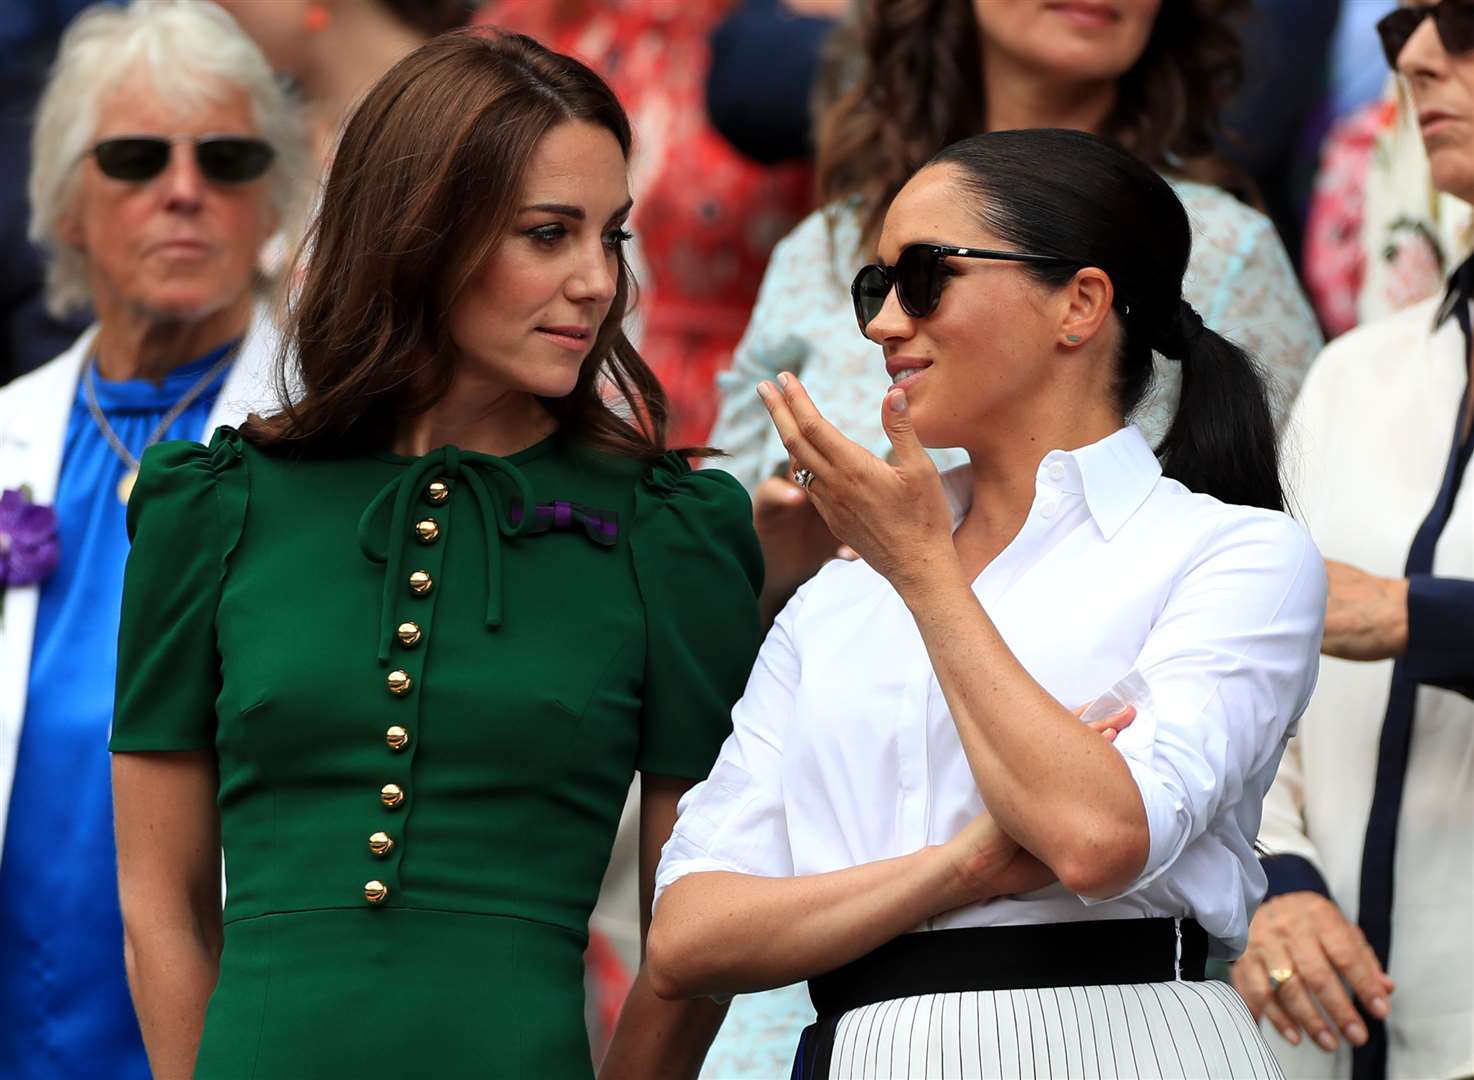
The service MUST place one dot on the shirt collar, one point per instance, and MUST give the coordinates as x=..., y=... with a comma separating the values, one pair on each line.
x=1115, y=475
x=1460, y=288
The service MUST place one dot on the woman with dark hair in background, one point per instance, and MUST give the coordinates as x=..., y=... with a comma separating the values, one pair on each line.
x=904, y=756
x=913, y=77
x=400, y=647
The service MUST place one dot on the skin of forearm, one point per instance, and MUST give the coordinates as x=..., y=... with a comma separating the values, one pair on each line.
x=726, y=933
x=660, y=1038
x=172, y=972
x=1050, y=782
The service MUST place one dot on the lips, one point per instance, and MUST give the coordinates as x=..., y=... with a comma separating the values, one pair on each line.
x=576, y=338
x=1086, y=14
x=1433, y=118
x=903, y=368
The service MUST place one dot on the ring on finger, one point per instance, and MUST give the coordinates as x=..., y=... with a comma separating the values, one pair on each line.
x=1278, y=977
x=803, y=477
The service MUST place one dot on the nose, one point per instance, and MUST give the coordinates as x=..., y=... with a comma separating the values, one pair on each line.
x=183, y=183
x=1424, y=55
x=596, y=278
x=891, y=323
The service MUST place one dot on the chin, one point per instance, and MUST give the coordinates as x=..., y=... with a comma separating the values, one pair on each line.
x=1453, y=172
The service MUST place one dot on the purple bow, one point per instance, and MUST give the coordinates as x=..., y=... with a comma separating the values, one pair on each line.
x=29, y=550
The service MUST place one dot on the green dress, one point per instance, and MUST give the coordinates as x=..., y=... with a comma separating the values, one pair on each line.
x=427, y=704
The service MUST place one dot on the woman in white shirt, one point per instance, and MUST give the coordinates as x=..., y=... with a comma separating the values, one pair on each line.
x=904, y=757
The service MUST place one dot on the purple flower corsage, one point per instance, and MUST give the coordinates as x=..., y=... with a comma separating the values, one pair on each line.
x=29, y=549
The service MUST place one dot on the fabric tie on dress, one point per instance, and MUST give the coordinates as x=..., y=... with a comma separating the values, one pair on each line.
x=499, y=517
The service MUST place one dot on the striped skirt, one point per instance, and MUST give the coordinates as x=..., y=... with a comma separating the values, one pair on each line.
x=1165, y=1029
x=1115, y=998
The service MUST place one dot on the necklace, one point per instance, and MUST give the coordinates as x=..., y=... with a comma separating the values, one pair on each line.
x=190, y=396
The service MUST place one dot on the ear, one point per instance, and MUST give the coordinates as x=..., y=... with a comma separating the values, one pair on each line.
x=1086, y=302
x=69, y=230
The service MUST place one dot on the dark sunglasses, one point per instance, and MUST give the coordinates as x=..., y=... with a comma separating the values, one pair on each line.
x=224, y=159
x=1454, y=20
x=917, y=278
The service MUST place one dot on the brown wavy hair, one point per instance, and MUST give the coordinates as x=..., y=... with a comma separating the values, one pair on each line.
x=422, y=189
x=904, y=78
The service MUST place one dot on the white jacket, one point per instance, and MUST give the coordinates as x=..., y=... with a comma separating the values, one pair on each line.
x=33, y=421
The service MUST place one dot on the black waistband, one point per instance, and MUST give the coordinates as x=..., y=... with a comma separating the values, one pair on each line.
x=1095, y=953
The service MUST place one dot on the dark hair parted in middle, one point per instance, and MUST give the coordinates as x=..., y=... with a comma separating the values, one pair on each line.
x=423, y=188
x=1088, y=203
x=918, y=86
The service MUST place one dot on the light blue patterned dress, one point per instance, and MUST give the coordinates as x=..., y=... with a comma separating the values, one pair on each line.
x=1239, y=279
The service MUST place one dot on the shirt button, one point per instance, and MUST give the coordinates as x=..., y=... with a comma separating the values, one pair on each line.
x=397, y=738
x=375, y=892
x=1047, y=508
x=437, y=491
x=409, y=634
x=420, y=582
x=399, y=683
x=381, y=843
x=1057, y=471
x=391, y=795
x=427, y=530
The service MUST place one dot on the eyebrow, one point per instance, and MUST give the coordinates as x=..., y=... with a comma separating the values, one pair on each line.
x=576, y=212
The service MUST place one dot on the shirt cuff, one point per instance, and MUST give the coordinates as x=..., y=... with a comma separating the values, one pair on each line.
x=1292, y=873
x=1440, y=632
x=1167, y=830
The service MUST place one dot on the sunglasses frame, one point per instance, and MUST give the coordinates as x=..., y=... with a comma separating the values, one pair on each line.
x=936, y=253
x=198, y=142
x=1405, y=21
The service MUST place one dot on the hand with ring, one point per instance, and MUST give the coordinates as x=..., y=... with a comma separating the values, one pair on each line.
x=894, y=514
x=1303, y=955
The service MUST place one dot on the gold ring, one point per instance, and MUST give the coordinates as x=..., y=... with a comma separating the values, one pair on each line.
x=1278, y=977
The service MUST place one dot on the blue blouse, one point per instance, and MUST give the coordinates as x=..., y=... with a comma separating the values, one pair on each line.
x=63, y=991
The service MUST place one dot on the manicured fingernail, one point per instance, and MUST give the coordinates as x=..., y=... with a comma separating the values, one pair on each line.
x=1327, y=1040
x=763, y=390
x=783, y=379
x=1356, y=1033
x=1380, y=1008
x=897, y=401
x=1290, y=1036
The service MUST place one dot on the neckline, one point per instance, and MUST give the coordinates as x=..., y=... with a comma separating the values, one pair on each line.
x=527, y=453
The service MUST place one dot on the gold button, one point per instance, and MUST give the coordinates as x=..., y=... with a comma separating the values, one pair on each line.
x=437, y=491
x=420, y=582
x=409, y=634
x=376, y=892
x=397, y=737
x=399, y=682
x=381, y=843
x=391, y=795
x=427, y=530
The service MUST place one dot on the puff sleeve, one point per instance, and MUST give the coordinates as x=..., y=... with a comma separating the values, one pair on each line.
x=699, y=570
x=183, y=518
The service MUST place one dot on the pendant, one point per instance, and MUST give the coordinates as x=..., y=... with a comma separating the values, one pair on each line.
x=125, y=485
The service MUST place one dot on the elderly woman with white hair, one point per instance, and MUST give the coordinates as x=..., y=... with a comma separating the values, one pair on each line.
x=165, y=155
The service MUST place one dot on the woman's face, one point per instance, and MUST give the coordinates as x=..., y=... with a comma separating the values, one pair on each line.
x=1442, y=88
x=981, y=356
x=178, y=246
x=529, y=315
x=1078, y=40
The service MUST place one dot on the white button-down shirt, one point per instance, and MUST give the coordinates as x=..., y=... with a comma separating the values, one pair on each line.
x=1121, y=584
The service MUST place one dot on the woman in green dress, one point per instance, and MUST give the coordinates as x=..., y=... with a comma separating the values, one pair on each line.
x=399, y=648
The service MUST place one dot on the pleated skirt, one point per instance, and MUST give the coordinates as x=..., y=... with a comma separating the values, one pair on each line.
x=1174, y=1029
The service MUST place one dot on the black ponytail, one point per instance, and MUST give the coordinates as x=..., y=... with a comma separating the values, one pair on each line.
x=1222, y=438
x=1089, y=203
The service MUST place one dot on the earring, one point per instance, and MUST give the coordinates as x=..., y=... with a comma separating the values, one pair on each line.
x=316, y=18
x=1073, y=339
